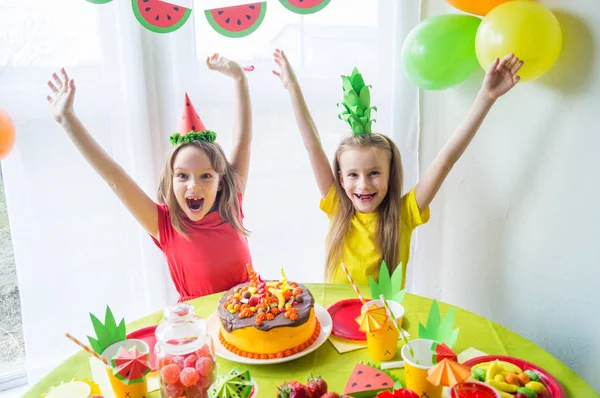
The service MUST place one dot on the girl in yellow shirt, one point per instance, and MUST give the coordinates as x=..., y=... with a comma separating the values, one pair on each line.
x=370, y=219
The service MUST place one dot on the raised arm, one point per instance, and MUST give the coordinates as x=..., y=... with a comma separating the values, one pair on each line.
x=306, y=125
x=131, y=195
x=242, y=127
x=499, y=79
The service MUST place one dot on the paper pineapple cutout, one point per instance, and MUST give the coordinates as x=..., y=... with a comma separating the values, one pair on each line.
x=357, y=104
x=390, y=287
x=108, y=333
x=438, y=329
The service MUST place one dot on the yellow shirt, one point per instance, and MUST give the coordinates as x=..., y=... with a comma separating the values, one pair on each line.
x=361, y=254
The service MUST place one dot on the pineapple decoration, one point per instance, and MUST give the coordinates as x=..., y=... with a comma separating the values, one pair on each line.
x=357, y=104
x=108, y=333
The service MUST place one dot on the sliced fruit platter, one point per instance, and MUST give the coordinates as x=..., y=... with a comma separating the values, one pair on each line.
x=234, y=21
x=515, y=378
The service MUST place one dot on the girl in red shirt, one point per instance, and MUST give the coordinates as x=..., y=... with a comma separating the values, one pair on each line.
x=198, y=220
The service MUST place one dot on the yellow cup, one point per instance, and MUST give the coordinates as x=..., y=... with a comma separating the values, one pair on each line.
x=382, y=344
x=416, y=374
x=122, y=390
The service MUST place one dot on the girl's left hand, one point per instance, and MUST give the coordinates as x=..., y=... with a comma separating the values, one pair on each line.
x=225, y=66
x=501, y=76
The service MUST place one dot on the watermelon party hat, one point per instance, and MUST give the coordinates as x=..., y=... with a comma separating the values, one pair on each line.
x=191, y=127
x=130, y=366
x=357, y=104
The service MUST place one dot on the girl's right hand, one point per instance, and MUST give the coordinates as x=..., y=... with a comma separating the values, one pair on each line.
x=63, y=96
x=286, y=75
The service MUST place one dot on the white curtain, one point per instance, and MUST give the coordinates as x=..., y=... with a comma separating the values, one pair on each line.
x=76, y=247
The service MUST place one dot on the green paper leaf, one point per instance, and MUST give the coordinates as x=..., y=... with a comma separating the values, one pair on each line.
x=121, y=331
x=344, y=105
x=109, y=323
x=351, y=99
x=363, y=120
x=365, y=97
x=344, y=116
x=453, y=339
x=439, y=330
x=445, y=329
x=385, y=283
x=102, y=335
x=398, y=297
x=346, y=83
x=357, y=128
x=397, y=279
x=95, y=345
x=368, y=127
x=355, y=110
x=357, y=81
x=375, y=291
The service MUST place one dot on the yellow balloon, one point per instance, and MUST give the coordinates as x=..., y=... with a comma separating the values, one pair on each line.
x=524, y=28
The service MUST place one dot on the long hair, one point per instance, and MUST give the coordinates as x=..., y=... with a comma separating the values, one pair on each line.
x=227, y=198
x=388, y=225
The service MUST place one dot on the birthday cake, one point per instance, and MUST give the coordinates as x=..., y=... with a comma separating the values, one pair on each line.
x=267, y=319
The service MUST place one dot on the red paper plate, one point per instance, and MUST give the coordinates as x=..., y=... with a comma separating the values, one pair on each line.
x=343, y=314
x=553, y=387
x=147, y=335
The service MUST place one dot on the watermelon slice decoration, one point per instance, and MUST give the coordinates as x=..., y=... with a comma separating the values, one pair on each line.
x=304, y=7
x=237, y=21
x=130, y=366
x=441, y=352
x=159, y=16
x=369, y=380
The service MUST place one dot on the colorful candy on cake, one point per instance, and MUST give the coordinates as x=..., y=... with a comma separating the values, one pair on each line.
x=267, y=319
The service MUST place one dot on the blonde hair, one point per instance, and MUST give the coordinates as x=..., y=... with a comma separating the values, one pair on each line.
x=227, y=199
x=388, y=226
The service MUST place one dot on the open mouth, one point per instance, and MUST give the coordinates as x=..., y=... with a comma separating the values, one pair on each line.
x=365, y=198
x=195, y=204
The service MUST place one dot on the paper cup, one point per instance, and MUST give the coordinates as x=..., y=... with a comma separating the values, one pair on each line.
x=382, y=344
x=122, y=390
x=416, y=374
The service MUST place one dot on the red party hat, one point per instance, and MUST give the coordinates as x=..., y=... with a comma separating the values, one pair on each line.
x=191, y=127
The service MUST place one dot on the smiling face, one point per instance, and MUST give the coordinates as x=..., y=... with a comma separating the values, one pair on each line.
x=364, y=175
x=195, y=182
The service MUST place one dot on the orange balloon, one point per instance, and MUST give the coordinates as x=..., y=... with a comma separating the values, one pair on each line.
x=7, y=134
x=477, y=7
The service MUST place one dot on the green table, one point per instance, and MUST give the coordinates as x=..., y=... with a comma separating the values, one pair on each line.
x=335, y=368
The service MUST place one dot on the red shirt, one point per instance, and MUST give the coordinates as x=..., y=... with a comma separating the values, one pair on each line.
x=212, y=259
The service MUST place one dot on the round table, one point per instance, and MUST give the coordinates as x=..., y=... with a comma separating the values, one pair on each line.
x=335, y=368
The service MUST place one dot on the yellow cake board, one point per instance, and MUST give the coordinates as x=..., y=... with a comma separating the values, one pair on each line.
x=344, y=345
x=101, y=378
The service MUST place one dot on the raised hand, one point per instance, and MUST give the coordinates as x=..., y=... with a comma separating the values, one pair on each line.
x=63, y=95
x=501, y=76
x=286, y=72
x=225, y=66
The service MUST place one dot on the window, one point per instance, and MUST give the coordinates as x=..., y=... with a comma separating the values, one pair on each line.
x=12, y=348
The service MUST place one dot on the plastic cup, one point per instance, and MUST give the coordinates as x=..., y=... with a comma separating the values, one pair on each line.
x=416, y=373
x=122, y=390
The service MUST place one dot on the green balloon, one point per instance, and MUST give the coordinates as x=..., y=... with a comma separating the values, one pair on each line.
x=440, y=51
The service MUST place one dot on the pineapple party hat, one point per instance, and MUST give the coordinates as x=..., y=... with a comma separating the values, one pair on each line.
x=357, y=104
x=191, y=127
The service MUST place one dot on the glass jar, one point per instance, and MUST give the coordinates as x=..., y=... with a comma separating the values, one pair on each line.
x=185, y=354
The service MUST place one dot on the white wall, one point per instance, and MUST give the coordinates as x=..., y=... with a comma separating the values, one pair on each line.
x=514, y=233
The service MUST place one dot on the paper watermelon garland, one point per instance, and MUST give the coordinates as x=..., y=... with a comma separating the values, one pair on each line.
x=237, y=21
x=191, y=127
x=304, y=7
x=236, y=384
x=158, y=16
x=130, y=366
x=368, y=380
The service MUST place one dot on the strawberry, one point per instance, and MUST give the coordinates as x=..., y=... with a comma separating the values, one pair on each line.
x=330, y=395
x=292, y=389
x=317, y=387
